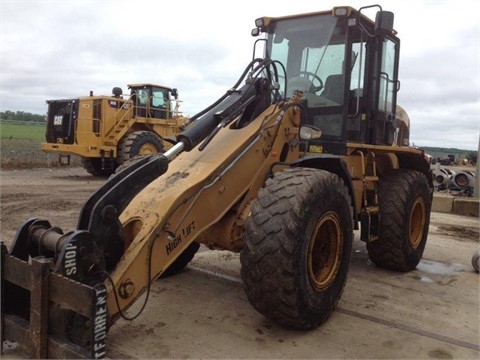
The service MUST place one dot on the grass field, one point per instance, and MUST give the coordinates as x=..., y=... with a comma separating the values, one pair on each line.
x=20, y=147
x=11, y=130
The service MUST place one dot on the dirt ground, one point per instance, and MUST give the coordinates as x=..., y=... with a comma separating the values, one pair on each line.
x=432, y=312
x=56, y=195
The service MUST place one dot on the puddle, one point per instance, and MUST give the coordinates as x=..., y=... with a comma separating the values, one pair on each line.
x=438, y=268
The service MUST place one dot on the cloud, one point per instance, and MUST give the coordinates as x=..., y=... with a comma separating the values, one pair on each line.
x=61, y=49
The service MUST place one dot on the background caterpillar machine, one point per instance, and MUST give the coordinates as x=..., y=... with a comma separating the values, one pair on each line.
x=105, y=131
x=307, y=146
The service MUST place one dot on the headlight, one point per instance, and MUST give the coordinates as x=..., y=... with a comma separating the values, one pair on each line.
x=259, y=22
x=341, y=11
x=308, y=132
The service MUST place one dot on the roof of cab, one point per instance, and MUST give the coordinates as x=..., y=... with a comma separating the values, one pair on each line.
x=349, y=11
x=139, y=85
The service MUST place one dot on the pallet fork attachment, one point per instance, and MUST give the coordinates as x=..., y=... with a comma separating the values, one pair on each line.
x=31, y=330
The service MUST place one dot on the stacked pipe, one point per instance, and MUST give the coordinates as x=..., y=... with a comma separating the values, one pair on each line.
x=464, y=179
x=444, y=179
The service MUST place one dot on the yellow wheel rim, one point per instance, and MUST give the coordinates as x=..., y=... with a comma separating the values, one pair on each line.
x=417, y=222
x=325, y=251
x=147, y=149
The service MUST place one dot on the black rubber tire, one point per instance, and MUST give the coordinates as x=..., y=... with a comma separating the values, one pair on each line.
x=405, y=202
x=129, y=162
x=182, y=261
x=280, y=278
x=140, y=142
x=476, y=260
x=94, y=167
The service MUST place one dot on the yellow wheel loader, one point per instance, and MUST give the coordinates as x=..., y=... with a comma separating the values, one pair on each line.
x=105, y=131
x=308, y=146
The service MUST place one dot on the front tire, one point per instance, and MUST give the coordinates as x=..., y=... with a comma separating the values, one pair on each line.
x=298, y=244
x=139, y=143
x=405, y=202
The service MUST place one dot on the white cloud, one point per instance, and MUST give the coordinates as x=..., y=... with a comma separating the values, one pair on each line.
x=59, y=49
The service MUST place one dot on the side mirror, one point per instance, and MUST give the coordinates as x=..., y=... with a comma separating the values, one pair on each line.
x=174, y=93
x=384, y=22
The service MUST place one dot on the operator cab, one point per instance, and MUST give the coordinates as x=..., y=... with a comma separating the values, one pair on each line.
x=152, y=101
x=345, y=65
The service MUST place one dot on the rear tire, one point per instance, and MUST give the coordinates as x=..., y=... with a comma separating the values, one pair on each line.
x=140, y=142
x=476, y=260
x=182, y=261
x=94, y=167
x=405, y=203
x=298, y=243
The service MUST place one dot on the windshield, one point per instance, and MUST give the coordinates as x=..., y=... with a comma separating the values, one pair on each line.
x=312, y=49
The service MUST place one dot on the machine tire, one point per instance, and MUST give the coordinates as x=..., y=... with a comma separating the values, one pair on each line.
x=182, y=261
x=140, y=142
x=405, y=202
x=94, y=167
x=129, y=162
x=296, y=209
x=476, y=260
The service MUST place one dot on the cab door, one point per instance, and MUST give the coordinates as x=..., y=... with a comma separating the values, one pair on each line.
x=385, y=85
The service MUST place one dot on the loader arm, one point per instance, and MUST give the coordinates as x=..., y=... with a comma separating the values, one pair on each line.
x=197, y=191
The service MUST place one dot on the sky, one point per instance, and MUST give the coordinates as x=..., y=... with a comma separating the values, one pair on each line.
x=65, y=49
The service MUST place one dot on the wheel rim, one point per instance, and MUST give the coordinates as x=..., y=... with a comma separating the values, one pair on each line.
x=325, y=251
x=147, y=149
x=417, y=222
x=461, y=180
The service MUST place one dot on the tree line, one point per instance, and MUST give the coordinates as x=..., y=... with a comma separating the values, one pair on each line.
x=441, y=154
x=22, y=116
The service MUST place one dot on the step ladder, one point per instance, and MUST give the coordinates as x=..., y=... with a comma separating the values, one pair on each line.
x=118, y=130
x=370, y=208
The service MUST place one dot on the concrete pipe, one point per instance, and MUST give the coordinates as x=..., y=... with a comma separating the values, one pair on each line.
x=441, y=178
x=464, y=179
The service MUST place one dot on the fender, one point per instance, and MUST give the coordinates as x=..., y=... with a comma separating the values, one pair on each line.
x=335, y=165
x=416, y=162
